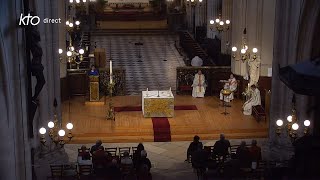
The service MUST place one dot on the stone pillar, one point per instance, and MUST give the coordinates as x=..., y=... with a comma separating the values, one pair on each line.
x=15, y=148
x=62, y=37
x=213, y=8
x=288, y=18
x=226, y=41
x=257, y=16
x=238, y=24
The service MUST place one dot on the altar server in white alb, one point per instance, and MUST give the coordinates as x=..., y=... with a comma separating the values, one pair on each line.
x=254, y=100
x=199, y=85
x=230, y=84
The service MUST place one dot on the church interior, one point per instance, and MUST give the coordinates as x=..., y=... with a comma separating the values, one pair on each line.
x=160, y=89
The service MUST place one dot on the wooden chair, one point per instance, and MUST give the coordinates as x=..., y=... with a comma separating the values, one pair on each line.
x=259, y=113
x=56, y=172
x=112, y=151
x=210, y=149
x=80, y=150
x=237, y=93
x=122, y=150
x=134, y=149
x=233, y=149
x=85, y=170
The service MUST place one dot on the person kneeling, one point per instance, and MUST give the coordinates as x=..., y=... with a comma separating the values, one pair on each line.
x=254, y=100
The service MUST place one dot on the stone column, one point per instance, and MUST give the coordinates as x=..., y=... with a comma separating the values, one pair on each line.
x=288, y=26
x=257, y=16
x=62, y=37
x=213, y=8
x=226, y=36
x=16, y=147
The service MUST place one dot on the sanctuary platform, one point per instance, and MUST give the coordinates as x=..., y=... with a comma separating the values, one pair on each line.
x=204, y=118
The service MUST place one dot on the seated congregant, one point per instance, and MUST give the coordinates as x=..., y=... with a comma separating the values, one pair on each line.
x=93, y=71
x=194, y=146
x=144, y=162
x=255, y=154
x=221, y=147
x=196, y=61
x=200, y=159
x=199, y=85
x=254, y=100
x=84, y=153
x=96, y=146
x=137, y=154
x=230, y=84
x=126, y=159
x=126, y=164
x=99, y=160
x=113, y=171
x=243, y=155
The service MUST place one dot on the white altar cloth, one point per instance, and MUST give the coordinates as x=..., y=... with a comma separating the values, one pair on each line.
x=157, y=103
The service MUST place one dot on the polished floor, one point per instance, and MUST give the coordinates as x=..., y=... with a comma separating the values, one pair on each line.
x=89, y=119
x=149, y=65
x=167, y=158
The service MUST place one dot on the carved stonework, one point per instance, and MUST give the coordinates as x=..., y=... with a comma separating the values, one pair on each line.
x=36, y=66
x=185, y=77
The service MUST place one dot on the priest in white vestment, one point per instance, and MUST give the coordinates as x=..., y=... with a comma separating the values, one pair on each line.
x=230, y=84
x=196, y=61
x=254, y=100
x=199, y=85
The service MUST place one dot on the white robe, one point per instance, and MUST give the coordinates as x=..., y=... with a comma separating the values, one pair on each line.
x=199, y=86
x=254, y=100
x=232, y=86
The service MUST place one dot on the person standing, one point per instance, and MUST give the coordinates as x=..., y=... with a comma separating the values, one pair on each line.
x=199, y=85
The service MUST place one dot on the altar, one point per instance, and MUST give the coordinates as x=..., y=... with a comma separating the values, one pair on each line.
x=157, y=104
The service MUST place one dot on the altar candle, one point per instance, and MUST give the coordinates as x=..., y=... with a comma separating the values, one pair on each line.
x=147, y=89
x=110, y=72
x=110, y=67
x=170, y=89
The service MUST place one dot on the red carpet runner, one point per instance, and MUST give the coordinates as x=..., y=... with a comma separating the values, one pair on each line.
x=139, y=108
x=161, y=126
x=161, y=129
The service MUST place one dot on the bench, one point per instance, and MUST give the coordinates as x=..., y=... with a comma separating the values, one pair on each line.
x=185, y=88
x=259, y=113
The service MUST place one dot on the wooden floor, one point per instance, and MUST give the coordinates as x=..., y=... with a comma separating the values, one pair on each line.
x=90, y=123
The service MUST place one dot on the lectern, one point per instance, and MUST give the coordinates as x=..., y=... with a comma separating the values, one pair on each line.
x=94, y=88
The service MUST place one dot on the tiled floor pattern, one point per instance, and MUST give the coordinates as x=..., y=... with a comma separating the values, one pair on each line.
x=149, y=71
x=167, y=158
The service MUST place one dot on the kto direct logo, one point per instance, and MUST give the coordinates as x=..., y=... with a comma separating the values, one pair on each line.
x=35, y=20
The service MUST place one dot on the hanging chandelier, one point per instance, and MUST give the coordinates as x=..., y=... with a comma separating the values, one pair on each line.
x=56, y=132
x=219, y=24
x=292, y=125
x=244, y=54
